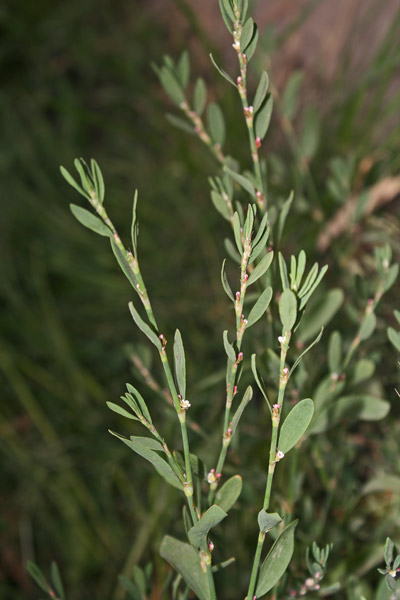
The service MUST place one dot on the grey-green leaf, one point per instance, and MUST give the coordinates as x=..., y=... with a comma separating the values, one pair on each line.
x=199, y=96
x=143, y=406
x=288, y=309
x=394, y=337
x=98, y=180
x=220, y=205
x=121, y=411
x=198, y=533
x=290, y=98
x=251, y=48
x=261, y=268
x=263, y=117
x=183, y=69
x=71, y=181
x=284, y=214
x=237, y=232
x=247, y=34
x=147, y=448
x=239, y=411
x=180, y=363
x=259, y=380
x=180, y=123
x=229, y=348
x=171, y=85
x=229, y=493
x=90, y=221
x=241, y=180
x=266, y=521
x=277, y=560
x=260, y=307
x=144, y=327
x=216, y=123
x=295, y=425
x=335, y=352
x=305, y=351
x=186, y=561
x=225, y=282
x=367, y=326
x=221, y=71
x=261, y=92
x=56, y=580
x=123, y=263
x=352, y=407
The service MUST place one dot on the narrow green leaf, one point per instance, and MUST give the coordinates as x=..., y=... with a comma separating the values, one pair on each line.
x=229, y=348
x=141, y=402
x=185, y=560
x=144, y=327
x=262, y=119
x=312, y=289
x=295, y=425
x=241, y=180
x=259, y=380
x=237, y=232
x=90, y=221
x=225, y=282
x=335, y=352
x=131, y=402
x=198, y=533
x=231, y=250
x=259, y=247
x=227, y=4
x=354, y=407
x=283, y=272
x=251, y=48
x=98, y=180
x=283, y=214
x=183, y=69
x=216, y=123
x=56, y=579
x=320, y=311
x=261, y=230
x=171, y=85
x=293, y=271
x=180, y=123
x=221, y=71
x=277, y=560
x=134, y=226
x=220, y=205
x=180, y=363
x=367, y=326
x=391, y=277
x=363, y=370
x=267, y=521
x=123, y=263
x=261, y=92
x=82, y=168
x=290, y=97
x=229, y=493
x=301, y=265
x=199, y=96
x=147, y=448
x=69, y=179
x=260, y=307
x=247, y=396
x=121, y=411
x=249, y=222
x=247, y=34
x=305, y=352
x=288, y=309
x=261, y=268
x=394, y=337
x=311, y=277
x=36, y=573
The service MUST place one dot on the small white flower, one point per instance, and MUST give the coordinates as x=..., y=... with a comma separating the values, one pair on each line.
x=185, y=404
x=279, y=455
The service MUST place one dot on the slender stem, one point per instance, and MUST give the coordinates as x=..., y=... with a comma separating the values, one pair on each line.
x=201, y=131
x=248, y=113
x=181, y=412
x=276, y=416
x=211, y=585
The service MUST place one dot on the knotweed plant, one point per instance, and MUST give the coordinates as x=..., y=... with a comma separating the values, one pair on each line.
x=271, y=295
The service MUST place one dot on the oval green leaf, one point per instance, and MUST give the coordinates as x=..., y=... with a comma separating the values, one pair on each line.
x=295, y=425
x=277, y=560
x=229, y=493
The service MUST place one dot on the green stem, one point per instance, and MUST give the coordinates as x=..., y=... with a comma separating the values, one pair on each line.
x=276, y=416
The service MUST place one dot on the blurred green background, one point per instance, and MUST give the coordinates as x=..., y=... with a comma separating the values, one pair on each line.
x=76, y=80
